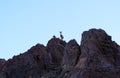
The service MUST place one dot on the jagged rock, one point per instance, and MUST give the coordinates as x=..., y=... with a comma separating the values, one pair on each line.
x=55, y=48
x=28, y=65
x=71, y=56
x=2, y=62
x=99, y=56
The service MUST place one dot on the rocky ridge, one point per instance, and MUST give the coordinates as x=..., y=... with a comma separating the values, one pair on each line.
x=97, y=57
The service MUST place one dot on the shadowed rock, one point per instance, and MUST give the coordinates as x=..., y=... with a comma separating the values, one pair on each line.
x=2, y=62
x=71, y=54
x=70, y=58
x=28, y=65
x=97, y=57
x=55, y=48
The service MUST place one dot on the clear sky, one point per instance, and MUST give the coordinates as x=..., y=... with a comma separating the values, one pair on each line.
x=24, y=23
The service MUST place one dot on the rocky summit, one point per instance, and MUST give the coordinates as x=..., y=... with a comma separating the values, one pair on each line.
x=97, y=56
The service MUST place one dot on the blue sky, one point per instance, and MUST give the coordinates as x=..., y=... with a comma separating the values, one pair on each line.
x=24, y=23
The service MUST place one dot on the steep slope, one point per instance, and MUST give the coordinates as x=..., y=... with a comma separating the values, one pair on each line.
x=100, y=56
x=97, y=57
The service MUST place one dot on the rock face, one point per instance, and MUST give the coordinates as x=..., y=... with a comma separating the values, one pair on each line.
x=55, y=48
x=2, y=61
x=71, y=53
x=28, y=65
x=97, y=57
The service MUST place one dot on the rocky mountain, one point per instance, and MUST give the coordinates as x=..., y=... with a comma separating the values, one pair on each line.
x=97, y=56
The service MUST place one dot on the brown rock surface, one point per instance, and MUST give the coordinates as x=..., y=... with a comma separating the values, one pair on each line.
x=29, y=64
x=2, y=61
x=97, y=57
x=55, y=48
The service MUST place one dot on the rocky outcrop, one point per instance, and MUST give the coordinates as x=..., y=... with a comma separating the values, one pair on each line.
x=31, y=64
x=71, y=53
x=2, y=61
x=55, y=48
x=37, y=62
x=70, y=58
x=97, y=57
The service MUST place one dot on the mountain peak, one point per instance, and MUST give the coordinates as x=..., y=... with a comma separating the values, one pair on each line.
x=97, y=57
